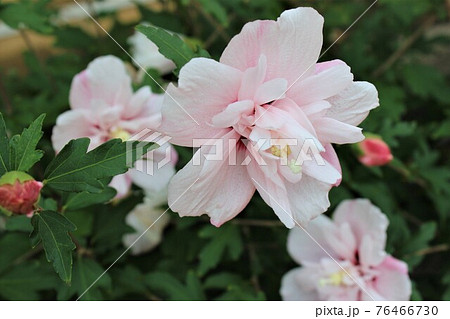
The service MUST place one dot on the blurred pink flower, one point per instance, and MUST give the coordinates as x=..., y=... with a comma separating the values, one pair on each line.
x=266, y=87
x=19, y=193
x=356, y=239
x=374, y=151
x=103, y=106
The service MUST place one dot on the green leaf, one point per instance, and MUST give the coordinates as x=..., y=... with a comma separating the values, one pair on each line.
x=170, y=45
x=418, y=242
x=19, y=223
x=53, y=230
x=446, y=281
x=109, y=224
x=426, y=81
x=4, y=148
x=84, y=199
x=76, y=170
x=222, y=281
x=173, y=288
x=235, y=288
x=224, y=238
x=85, y=272
x=28, y=14
x=129, y=280
x=23, y=147
x=12, y=247
x=24, y=281
x=216, y=9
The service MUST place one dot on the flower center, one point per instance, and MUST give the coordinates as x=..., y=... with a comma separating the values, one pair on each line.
x=335, y=279
x=281, y=152
x=120, y=133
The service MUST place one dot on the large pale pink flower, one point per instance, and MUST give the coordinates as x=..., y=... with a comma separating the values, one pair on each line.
x=267, y=86
x=355, y=238
x=104, y=106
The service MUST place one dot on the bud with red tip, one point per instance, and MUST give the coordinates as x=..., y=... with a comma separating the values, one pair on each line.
x=373, y=151
x=19, y=193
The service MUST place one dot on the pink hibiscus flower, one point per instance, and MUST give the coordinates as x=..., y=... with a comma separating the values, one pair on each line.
x=267, y=87
x=103, y=106
x=356, y=239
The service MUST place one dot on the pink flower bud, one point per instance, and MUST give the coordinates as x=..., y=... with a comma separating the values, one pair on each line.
x=374, y=151
x=19, y=193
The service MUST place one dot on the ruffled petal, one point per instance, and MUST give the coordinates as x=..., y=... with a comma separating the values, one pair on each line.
x=333, y=131
x=308, y=199
x=205, y=88
x=104, y=79
x=310, y=249
x=353, y=104
x=369, y=226
x=322, y=85
x=213, y=187
x=71, y=125
x=299, y=285
x=393, y=282
x=291, y=44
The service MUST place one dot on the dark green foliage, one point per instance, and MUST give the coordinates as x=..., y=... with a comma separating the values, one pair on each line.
x=195, y=260
x=76, y=170
x=171, y=46
x=52, y=229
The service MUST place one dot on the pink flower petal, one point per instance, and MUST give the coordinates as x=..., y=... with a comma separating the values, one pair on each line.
x=353, y=104
x=391, y=283
x=299, y=285
x=304, y=249
x=232, y=113
x=322, y=85
x=332, y=131
x=207, y=188
x=205, y=88
x=71, y=125
x=369, y=226
x=308, y=199
x=105, y=78
x=271, y=90
x=291, y=44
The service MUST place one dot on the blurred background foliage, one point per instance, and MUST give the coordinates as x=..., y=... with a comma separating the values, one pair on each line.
x=402, y=46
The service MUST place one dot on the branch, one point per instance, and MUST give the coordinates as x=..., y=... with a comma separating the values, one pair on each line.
x=428, y=21
x=257, y=222
x=430, y=250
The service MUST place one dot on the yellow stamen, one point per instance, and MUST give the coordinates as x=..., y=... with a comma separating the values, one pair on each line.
x=281, y=152
x=335, y=279
x=120, y=133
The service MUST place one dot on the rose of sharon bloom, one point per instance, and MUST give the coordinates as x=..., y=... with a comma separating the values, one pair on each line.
x=355, y=238
x=267, y=87
x=374, y=151
x=103, y=106
x=146, y=54
x=19, y=193
x=149, y=220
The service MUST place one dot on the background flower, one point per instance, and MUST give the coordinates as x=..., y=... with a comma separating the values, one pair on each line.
x=148, y=217
x=373, y=151
x=103, y=106
x=355, y=239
